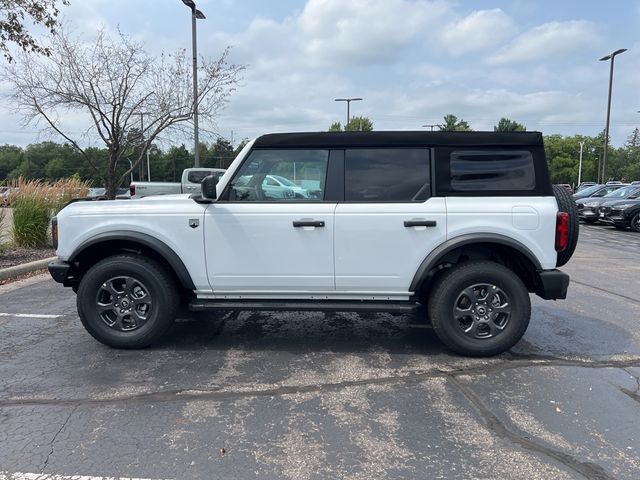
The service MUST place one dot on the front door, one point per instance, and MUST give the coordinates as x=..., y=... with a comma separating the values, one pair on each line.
x=261, y=241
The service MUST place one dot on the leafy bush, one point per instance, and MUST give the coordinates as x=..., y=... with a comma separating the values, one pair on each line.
x=34, y=203
x=31, y=217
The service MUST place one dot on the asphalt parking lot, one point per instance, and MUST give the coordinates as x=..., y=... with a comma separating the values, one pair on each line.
x=314, y=395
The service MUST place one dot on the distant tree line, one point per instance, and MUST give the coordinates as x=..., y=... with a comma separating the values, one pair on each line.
x=52, y=161
x=563, y=152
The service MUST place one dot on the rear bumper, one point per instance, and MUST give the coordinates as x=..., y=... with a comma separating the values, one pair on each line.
x=59, y=270
x=553, y=285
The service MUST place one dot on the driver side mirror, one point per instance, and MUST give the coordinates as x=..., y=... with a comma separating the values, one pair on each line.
x=208, y=186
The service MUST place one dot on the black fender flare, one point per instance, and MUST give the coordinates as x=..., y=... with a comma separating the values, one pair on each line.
x=441, y=250
x=146, y=240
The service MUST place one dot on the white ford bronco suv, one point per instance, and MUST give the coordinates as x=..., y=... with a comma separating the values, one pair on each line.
x=466, y=224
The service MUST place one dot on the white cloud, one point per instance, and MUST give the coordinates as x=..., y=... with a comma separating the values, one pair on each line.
x=547, y=40
x=365, y=31
x=477, y=31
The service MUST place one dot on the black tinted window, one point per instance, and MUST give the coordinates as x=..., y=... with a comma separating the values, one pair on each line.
x=387, y=175
x=487, y=170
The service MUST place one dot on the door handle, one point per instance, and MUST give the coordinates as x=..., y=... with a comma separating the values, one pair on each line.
x=419, y=223
x=308, y=223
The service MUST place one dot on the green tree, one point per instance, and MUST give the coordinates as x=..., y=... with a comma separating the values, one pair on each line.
x=506, y=125
x=13, y=14
x=356, y=124
x=452, y=124
x=10, y=158
x=335, y=127
x=359, y=124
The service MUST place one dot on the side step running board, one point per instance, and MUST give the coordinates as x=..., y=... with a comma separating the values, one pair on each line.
x=306, y=305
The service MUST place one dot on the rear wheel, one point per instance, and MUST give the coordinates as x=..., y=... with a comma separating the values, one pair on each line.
x=479, y=308
x=567, y=204
x=127, y=301
x=635, y=222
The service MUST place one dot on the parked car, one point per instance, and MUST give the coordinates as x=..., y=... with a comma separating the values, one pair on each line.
x=567, y=187
x=273, y=187
x=584, y=185
x=622, y=214
x=4, y=196
x=190, y=183
x=596, y=191
x=588, y=208
x=466, y=224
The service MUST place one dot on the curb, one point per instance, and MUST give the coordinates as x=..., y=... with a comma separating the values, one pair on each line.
x=6, y=273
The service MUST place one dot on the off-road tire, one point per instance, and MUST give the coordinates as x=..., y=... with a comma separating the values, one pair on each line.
x=567, y=204
x=163, y=292
x=446, y=290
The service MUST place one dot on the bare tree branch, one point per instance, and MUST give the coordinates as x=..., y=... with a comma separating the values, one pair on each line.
x=112, y=81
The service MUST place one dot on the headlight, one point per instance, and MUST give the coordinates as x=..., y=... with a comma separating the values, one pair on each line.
x=622, y=206
x=591, y=204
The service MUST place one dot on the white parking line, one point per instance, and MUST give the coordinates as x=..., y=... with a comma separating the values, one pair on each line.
x=46, y=476
x=28, y=315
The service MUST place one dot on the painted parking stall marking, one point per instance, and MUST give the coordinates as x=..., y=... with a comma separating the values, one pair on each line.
x=47, y=476
x=29, y=315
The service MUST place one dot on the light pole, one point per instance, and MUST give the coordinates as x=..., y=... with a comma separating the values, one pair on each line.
x=611, y=57
x=430, y=125
x=142, y=114
x=195, y=14
x=580, y=165
x=348, y=100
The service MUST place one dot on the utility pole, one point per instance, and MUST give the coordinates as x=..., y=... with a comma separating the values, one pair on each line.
x=580, y=165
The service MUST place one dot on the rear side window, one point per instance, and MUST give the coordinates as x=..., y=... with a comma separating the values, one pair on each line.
x=387, y=175
x=492, y=170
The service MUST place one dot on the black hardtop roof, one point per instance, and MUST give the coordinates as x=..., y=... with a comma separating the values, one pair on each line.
x=397, y=139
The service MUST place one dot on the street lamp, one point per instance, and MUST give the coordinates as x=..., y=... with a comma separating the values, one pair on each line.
x=195, y=14
x=348, y=100
x=611, y=57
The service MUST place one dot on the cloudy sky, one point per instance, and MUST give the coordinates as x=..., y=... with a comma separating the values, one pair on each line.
x=412, y=61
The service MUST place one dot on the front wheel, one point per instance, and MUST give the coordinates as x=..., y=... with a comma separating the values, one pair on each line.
x=127, y=301
x=635, y=223
x=479, y=308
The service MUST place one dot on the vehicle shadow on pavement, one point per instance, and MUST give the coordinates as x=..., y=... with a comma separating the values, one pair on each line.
x=301, y=332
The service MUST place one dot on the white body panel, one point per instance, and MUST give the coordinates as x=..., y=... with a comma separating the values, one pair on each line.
x=165, y=218
x=363, y=251
x=254, y=247
x=528, y=220
x=376, y=252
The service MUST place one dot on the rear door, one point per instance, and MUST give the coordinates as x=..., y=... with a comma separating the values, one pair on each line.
x=388, y=222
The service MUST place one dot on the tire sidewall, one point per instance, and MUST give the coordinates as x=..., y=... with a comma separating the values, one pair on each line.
x=635, y=222
x=115, y=267
x=519, y=300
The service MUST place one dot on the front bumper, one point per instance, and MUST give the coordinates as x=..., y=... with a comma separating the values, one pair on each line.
x=588, y=213
x=59, y=270
x=553, y=284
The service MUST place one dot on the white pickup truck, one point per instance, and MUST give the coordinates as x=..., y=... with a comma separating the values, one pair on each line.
x=190, y=183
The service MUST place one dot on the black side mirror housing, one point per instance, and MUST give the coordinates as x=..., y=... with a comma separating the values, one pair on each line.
x=208, y=186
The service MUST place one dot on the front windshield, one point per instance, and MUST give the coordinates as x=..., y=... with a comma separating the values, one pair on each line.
x=620, y=193
x=590, y=190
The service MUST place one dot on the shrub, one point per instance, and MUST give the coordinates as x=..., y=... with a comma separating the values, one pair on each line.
x=34, y=203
